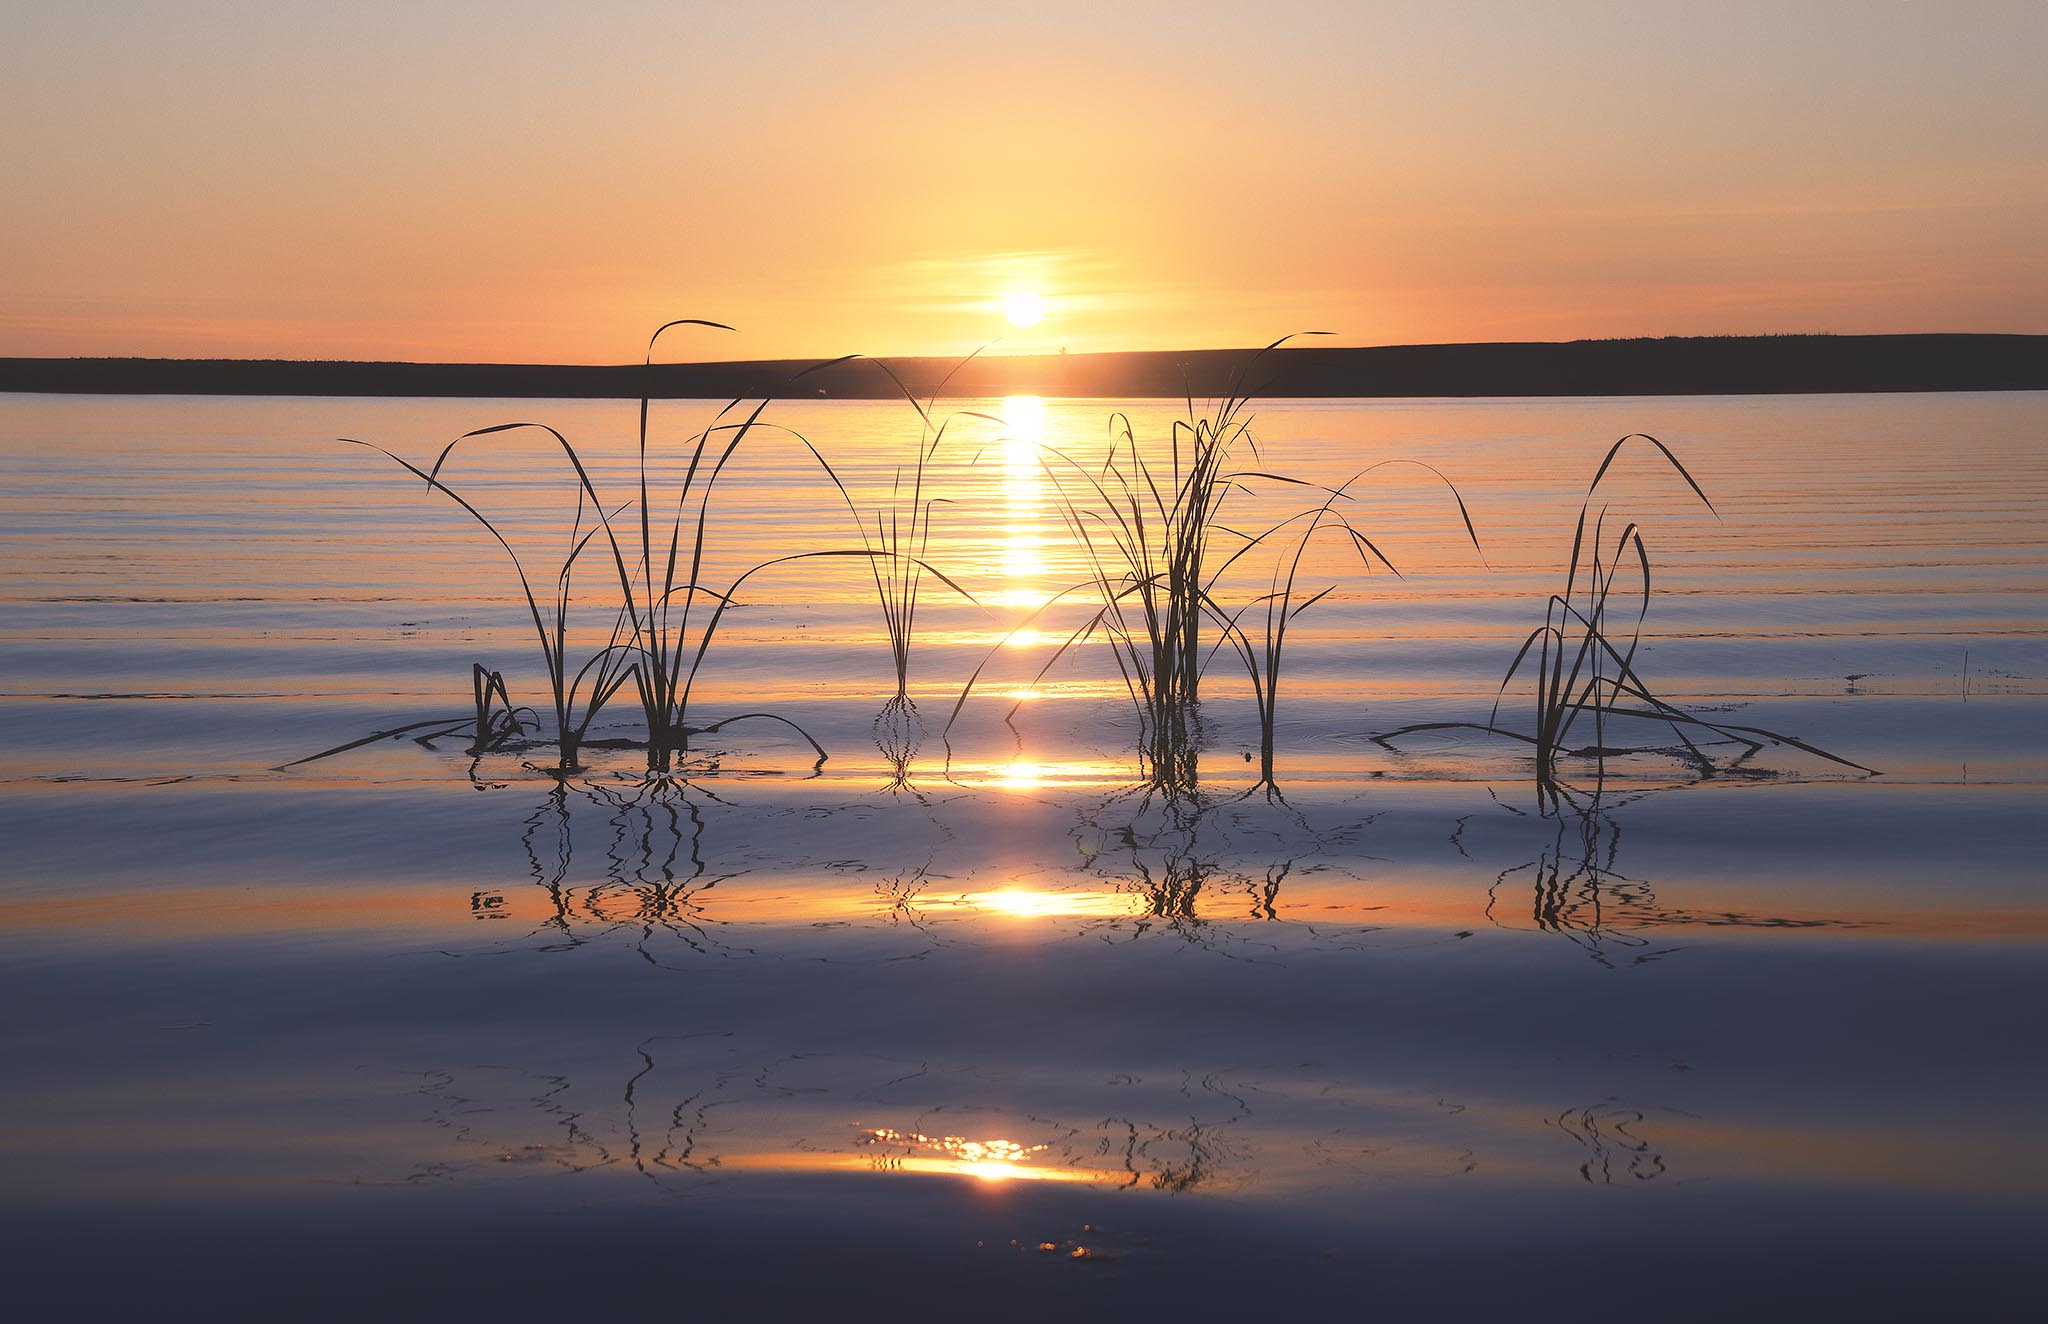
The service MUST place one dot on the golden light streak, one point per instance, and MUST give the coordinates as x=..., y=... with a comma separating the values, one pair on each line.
x=1025, y=903
x=1022, y=776
x=994, y=1172
x=1023, y=556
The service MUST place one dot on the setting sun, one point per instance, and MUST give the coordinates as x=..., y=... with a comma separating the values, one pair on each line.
x=1024, y=307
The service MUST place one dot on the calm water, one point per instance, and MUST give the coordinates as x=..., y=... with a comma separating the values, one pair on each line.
x=959, y=1022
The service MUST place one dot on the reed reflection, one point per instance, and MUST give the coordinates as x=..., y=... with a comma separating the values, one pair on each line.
x=642, y=860
x=900, y=901
x=1612, y=1137
x=704, y=1108
x=656, y=873
x=1187, y=874
x=517, y=1118
x=899, y=731
x=1576, y=890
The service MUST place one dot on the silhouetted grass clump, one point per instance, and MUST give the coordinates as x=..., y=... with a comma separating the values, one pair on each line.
x=1167, y=579
x=1151, y=524
x=667, y=614
x=1582, y=660
x=496, y=723
x=895, y=535
x=1145, y=521
x=1282, y=602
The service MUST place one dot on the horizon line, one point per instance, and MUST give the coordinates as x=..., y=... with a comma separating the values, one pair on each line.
x=989, y=351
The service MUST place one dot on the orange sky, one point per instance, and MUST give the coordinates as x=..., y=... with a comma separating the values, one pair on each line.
x=526, y=181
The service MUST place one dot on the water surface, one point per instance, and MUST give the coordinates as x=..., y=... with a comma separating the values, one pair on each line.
x=962, y=1019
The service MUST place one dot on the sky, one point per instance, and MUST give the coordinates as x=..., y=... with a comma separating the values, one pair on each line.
x=546, y=182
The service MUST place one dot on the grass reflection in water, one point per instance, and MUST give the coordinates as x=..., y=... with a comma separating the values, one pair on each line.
x=703, y=1109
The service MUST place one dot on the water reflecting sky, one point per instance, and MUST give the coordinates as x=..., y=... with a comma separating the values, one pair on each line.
x=974, y=995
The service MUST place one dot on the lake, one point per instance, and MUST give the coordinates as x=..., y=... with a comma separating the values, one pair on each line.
x=967, y=1018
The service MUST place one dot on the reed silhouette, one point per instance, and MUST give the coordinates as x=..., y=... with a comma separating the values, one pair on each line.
x=1152, y=526
x=1584, y=657
x=1144, y=523
x=1150, y=522
x=668, y=610
x=494, y=725
x=667, y=613
x=1282, y=602
x=896, y=534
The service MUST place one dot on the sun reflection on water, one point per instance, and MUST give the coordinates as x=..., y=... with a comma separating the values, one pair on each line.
x=1021, y=776
x=994, y=1161
x=1027, y=775
x=988, y=1160
x=1023, y=555
x=1023, y=558
x=1026, y=903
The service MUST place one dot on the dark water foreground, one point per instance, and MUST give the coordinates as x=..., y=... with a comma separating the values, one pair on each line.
x=766, y=1046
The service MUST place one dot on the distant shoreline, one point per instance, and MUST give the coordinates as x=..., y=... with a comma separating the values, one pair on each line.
x=1704, y=365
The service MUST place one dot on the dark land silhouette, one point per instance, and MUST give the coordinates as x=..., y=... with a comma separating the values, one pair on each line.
x=1701, y=365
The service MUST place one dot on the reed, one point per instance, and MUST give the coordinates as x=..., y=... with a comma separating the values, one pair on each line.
x=1148, y=526
x=495, y=723
x=667, y=612
x=1582, y=659
x=671, y=632
x=895, y=534
x=1282, y=603
x=1145, y=523
x=491, y=730
x=667, y=615
x=550, y=625
x=1152, y=525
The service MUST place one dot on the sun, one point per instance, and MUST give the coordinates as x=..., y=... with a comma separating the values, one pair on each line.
x=1024, y=307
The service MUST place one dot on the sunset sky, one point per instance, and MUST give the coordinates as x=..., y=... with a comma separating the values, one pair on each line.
x=547, y=181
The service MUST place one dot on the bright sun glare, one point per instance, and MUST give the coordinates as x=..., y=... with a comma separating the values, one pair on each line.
x=1024, y=307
